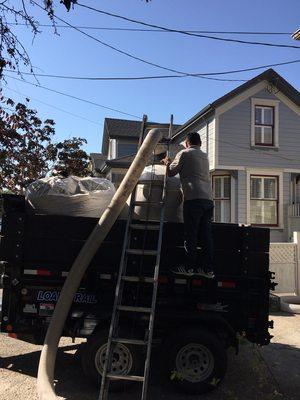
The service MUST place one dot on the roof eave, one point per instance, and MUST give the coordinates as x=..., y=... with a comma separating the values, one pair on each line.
x=201, y=114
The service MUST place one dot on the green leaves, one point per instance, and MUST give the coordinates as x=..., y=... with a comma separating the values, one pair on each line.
x=27, y=151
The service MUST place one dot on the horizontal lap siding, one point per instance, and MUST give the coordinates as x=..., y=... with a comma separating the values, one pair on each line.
x=235, y=137
x=203, y=135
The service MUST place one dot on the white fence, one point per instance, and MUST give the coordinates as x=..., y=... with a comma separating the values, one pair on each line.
x=284, y=262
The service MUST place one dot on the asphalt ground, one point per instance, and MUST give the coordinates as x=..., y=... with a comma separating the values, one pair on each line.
x=269, y=373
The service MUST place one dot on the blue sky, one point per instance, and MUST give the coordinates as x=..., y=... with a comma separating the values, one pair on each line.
x=70, y=53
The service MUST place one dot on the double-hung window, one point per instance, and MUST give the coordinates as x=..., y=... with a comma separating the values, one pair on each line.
x=264, y=200
x=264, y=125
x=126, y=149
x=221, y=196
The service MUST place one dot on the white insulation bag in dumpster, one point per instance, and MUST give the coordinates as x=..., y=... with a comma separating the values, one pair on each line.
x=173, y=210
x=74, y=196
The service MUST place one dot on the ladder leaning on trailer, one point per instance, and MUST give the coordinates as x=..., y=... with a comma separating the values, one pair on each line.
x=124, y=276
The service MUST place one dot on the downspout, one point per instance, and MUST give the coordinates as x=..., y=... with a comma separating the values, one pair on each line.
x=45, y=386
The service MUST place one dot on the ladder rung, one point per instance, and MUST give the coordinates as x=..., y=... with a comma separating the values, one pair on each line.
x=150, y=182
x=130, y=341
x=126, y=377
x=147, y=203
x=142, y=252
x=145, y=227
x=134, y=309
x=141, y=279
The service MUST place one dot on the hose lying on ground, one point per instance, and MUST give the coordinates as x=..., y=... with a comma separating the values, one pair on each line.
x=45, y=385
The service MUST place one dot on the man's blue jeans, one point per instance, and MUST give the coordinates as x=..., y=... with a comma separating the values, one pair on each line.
x=197, y=216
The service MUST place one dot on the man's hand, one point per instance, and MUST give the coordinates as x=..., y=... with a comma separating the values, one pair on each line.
x=166, y=161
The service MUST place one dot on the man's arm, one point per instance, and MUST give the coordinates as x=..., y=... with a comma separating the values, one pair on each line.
x=173, y=168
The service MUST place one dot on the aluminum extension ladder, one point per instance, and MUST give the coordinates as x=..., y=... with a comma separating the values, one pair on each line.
x=123, y=278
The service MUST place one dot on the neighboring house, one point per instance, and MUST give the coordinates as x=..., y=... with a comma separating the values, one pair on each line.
x=252, y=137
x=119, y=146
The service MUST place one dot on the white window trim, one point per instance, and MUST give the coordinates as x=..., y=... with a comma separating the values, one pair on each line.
x=231, y=198
x=268, y=103
x=267, y=172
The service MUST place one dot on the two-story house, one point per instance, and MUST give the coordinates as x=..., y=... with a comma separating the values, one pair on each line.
x=252, y=137
x=119, y=146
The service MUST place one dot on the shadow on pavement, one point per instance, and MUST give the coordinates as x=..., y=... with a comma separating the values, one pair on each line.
x=248, y=376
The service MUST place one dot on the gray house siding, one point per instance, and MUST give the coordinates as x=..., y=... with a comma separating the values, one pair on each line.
x=234, y=140
x=206, y=130
x=202, y=130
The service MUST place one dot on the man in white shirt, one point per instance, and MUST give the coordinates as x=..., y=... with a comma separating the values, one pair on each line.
x=193, y=168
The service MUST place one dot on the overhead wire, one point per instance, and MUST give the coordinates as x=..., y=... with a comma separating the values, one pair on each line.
x=155, y=30
x=215, y=140
x=121, y=78
x=186, y=32
x=129, y=54
x=52, y=106
x=128, y=78
x=74, y=97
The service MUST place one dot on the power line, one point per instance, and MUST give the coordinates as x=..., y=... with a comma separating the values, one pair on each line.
x=126, y=53
x=52, y=106
x=101, y=28
x=64, y=94
x=186, y=32
x=74, y=97
x=129, y=78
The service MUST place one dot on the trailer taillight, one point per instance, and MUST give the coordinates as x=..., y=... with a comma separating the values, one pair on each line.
x=197, y=282
x=227, y=284
x=162, y=279
x=43, y=272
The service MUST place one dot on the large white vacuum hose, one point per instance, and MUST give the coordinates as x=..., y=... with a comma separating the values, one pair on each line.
x=45, y=385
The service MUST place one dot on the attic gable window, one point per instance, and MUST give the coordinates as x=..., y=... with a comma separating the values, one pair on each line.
x=264, y=126
x=264, y=123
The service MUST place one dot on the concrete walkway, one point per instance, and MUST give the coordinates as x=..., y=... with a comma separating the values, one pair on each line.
x=282, y=356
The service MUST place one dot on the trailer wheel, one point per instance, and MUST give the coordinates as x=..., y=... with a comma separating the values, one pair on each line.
x=196, y=361
x=127, y=360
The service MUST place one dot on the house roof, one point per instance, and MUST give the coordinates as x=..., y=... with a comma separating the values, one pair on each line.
x=269, y=75
x=127, y=128
x=124, y=128
x=121, y=162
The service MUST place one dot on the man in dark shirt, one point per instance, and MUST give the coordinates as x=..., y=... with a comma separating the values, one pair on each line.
x=193, y=168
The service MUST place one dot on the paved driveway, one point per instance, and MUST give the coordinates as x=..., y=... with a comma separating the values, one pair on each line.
x=269, y=373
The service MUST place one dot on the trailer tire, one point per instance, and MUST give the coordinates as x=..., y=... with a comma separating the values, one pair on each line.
x=129, y=359
x=196, y=361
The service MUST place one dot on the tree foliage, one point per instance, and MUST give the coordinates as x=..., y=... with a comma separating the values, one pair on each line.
x=12, y=51
x=28, y=152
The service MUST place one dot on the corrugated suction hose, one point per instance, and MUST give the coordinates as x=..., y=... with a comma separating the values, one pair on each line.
x=45, y=385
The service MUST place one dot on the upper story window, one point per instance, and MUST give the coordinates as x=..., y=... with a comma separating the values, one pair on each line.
x=126, y=149
x=265, y=123
x=264, y=126
x=221, y=197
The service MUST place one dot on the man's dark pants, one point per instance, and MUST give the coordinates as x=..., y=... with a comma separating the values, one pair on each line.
x=197, y=216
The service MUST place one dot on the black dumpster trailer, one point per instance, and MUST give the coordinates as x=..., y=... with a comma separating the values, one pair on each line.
x=196, y=319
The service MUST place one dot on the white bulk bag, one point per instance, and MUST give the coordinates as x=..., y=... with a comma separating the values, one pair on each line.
x=74, y=196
